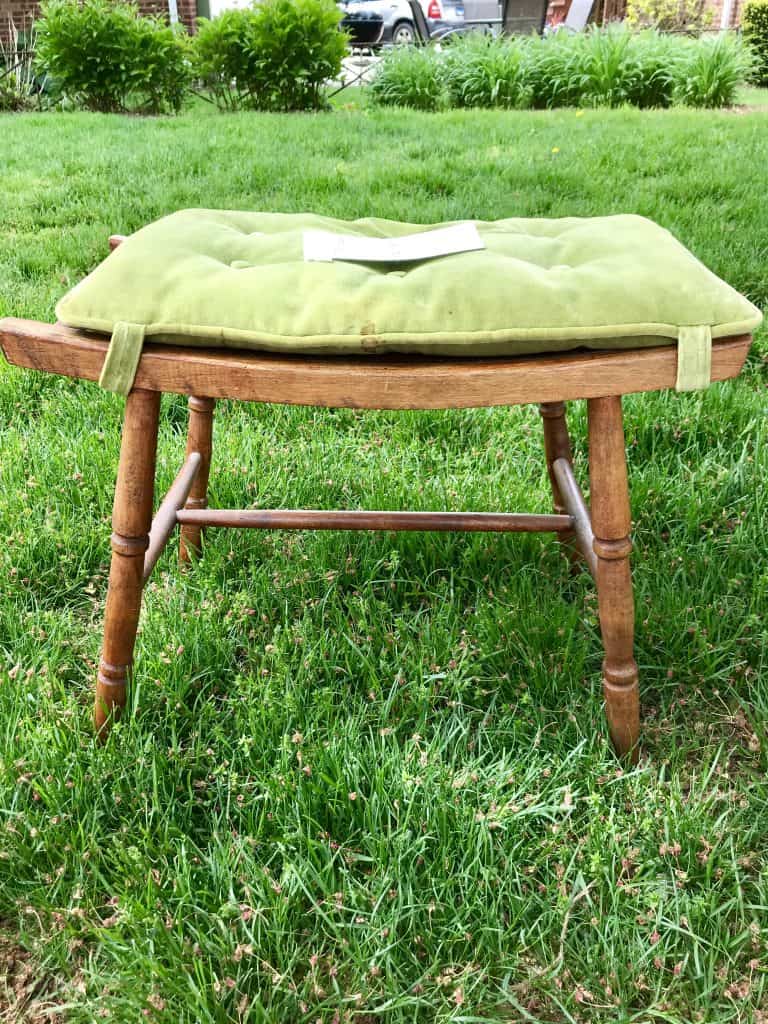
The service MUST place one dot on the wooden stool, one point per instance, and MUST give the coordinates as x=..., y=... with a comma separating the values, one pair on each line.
x=406, y=382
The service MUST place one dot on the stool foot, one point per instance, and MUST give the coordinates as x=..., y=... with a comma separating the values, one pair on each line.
x=557, y=445
x=199, y=439
x=131, y=521
x=611, y=524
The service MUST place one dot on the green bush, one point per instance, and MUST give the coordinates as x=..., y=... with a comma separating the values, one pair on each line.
x=609, y=67
x=223, y=57
x=709, y=71
x=670, y=15
x=276, y=56
x=754, y=23
x=411, y=77
x=105, y=56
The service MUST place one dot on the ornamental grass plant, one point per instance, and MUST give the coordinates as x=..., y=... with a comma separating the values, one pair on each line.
x=713, y=71
x=411, y=77
x=18, y=82
x=605, y=67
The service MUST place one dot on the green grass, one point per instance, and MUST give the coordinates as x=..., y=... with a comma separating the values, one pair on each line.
x=367, y=777
x=750, y=96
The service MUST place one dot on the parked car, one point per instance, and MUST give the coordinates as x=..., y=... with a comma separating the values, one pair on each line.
x=398, y=28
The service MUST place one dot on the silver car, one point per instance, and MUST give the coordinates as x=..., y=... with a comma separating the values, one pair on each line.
x=399, y=29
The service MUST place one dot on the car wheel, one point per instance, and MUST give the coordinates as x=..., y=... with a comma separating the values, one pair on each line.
x=403, y=34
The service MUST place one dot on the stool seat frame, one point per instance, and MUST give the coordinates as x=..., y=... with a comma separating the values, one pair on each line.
x=600, y=534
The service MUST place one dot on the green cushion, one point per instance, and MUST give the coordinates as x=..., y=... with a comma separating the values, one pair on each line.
x=221, y=278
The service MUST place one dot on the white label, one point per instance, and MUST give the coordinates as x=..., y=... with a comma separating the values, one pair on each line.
x=324, y=246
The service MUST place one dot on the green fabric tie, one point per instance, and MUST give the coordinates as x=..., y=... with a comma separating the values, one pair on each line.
x=123, y=357
x=694, y=358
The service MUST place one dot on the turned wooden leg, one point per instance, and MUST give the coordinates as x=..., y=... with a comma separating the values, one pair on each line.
x=557, y=445
x=131, y=521
x=611, y=525
x=199, y=439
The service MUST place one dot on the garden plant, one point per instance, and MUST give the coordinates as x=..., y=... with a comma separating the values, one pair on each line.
x=755, y=23
x=689, y=16
x=278, y=55
x=18, y=83
x=106, y=57
x=282, y=55
x=609, y=67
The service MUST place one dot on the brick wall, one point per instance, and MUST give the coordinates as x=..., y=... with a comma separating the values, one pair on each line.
x=23, y=12
x=187, y=9
x=17, y=11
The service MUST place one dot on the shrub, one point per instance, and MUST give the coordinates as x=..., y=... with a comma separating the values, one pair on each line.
x=277, y=56
x=754, y=23
x=709, y=71
x=410, y=77
x=224, y=58
x=669, y=15
x=105, y=56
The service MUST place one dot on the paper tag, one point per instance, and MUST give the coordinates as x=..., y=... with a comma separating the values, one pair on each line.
x=324, y=246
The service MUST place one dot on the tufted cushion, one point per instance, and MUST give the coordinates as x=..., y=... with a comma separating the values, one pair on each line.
x=215, y=277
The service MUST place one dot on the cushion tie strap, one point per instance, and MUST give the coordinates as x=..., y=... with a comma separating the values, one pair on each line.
x=123, y=357
x=694, y=358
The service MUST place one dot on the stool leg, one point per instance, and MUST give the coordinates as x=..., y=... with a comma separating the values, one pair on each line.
x=611, y=525
x=131, y=522
x=199, y=439
x=557, y=445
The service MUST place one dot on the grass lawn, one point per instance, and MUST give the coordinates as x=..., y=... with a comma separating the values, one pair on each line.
x=749, y=96
x=367, y=778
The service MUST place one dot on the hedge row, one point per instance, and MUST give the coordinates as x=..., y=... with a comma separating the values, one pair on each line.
x=106, y=56
x=278, y=55
x=603, y=67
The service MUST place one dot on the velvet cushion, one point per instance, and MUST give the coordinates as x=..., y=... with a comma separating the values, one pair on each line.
x=224, y=278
